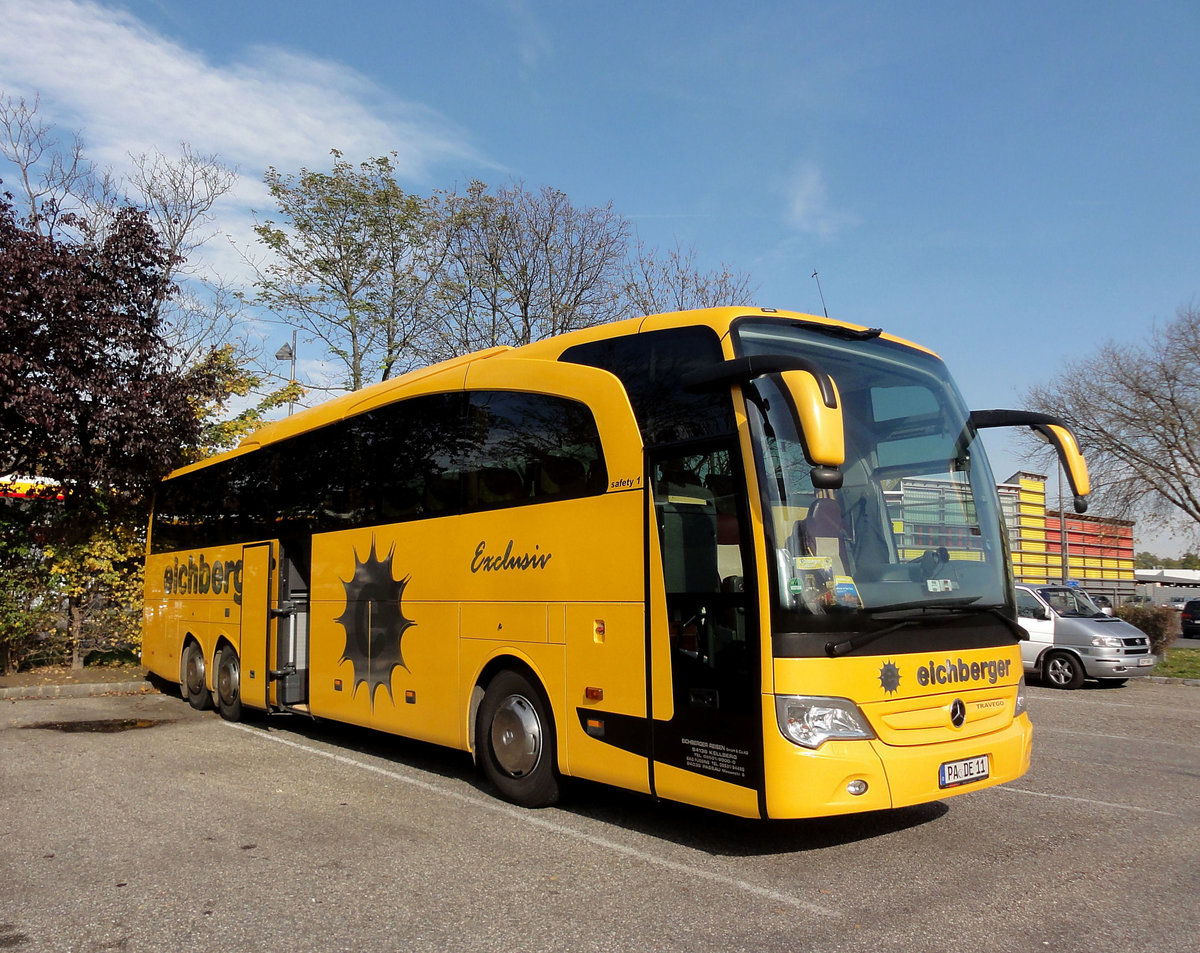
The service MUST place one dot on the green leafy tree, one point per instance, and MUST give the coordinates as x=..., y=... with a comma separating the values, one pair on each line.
x=28, y=603
x=99, y=576
x=222, y=429
x=347, y=264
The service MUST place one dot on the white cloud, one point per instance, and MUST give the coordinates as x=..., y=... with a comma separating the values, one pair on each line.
x=808, y=206
x=533, y=42
x=127, y=89
x=130, y=89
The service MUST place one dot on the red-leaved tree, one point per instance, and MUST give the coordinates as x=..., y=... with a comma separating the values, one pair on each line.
x=91, y=399
x=88, y=392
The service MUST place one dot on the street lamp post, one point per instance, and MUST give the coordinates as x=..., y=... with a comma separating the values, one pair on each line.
x=288, y=353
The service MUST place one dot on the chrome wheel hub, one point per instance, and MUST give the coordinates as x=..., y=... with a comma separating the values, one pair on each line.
x=517, y=736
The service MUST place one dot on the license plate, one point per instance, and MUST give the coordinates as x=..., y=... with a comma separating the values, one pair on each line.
x=1146, y=660
x=953, y=773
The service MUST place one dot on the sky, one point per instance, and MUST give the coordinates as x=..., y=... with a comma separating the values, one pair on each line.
x=1011, y=185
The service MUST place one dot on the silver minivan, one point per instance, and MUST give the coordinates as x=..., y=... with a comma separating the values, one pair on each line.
x=1070, y=639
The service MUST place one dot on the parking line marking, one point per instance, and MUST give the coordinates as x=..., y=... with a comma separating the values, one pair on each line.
x=527, y=818
x=1085, y=800
x=1074, y=698
x=1140, y=740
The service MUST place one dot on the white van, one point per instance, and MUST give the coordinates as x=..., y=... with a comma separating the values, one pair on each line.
x=1070, y=639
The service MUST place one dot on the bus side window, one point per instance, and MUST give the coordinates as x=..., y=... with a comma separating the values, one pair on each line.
x=531, y=448
x=561, y=477
x=687, y=514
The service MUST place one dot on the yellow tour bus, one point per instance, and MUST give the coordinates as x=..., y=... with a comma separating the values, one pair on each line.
x=746, y=559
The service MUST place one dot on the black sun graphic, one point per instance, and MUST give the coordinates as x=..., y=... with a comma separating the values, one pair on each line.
x=374, y=622
x=889, y=677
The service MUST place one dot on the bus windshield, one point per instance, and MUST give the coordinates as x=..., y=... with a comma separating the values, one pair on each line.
x=915, y=526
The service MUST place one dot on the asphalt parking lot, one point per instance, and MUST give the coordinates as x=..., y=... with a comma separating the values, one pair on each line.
x=170, y=829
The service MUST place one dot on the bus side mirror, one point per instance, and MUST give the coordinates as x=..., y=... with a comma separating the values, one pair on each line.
x=813, y=393
x=820, y=417
x=1057, y=433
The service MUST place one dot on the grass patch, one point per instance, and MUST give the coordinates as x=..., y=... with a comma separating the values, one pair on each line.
x=1180, y=663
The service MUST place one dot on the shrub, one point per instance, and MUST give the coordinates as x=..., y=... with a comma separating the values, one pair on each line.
x=1160, y=623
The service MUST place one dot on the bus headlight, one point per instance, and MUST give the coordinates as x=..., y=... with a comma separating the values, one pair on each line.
x=1020, y=706
x=811, y=721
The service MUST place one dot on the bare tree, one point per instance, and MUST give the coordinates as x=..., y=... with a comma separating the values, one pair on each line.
x=50, y=179
x=197, y=313
x=520, y=266
x=61, y=185
x=655, y=283
x=179, y=194
x=1136, y=411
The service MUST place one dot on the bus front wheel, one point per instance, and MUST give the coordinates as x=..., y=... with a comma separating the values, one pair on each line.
x=514, y=734
x=229, y=685
x=193, y=672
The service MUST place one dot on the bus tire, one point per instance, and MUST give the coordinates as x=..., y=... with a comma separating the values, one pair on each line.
x=192, y=677
x=514, y=735
x=228, y=684
x=1063, y=670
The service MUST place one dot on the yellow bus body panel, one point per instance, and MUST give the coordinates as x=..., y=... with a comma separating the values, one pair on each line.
x=606, y=657
x=676, y=784
x=475, y=586
x=186, y=595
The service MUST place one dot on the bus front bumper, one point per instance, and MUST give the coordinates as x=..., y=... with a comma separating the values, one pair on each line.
x=830, y=780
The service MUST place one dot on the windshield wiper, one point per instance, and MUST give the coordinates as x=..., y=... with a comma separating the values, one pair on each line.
x=845, y=646
x=839, y=331
x=951, y=607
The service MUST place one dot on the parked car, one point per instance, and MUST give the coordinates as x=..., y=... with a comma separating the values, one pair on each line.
x=1071, y=639
x=1189, y=619
x=1104, y=603
x=1178, y=602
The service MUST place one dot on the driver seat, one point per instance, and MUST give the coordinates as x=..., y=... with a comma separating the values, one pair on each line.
x=826, y=532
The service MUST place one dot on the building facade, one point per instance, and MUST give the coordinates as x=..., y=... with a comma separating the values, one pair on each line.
x=1097, y=552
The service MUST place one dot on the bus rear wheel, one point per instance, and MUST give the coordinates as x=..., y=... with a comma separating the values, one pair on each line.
x=229, y=685
x=1063, y=670
x=193, y=677
x=514, y=734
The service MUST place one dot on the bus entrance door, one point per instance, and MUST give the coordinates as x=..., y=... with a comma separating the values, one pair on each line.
x=258, y=595
x=709, y=751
